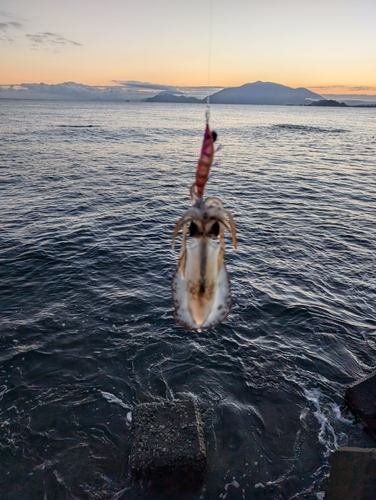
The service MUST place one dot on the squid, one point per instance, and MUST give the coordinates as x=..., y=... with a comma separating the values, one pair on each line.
x=201, y=290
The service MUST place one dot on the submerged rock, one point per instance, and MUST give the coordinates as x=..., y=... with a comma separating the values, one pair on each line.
x=167, y=437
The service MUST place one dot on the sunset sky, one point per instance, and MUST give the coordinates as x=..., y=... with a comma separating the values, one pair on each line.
x=328, y=46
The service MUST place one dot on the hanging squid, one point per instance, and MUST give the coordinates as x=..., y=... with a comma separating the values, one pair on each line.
x=201, y=290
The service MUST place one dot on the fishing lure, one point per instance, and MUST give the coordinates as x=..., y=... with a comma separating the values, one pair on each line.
x=200, y=286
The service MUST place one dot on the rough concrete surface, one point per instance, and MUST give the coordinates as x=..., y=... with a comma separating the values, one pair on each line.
x=361, y=399
x=167, y=437
x=352, y=474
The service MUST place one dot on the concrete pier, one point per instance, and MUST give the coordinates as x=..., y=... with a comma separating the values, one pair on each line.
x=361, y=399
x=352, y=474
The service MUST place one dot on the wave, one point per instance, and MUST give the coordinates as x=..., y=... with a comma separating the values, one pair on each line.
x=308, y=129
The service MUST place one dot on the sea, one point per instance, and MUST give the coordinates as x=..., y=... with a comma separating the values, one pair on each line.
x=90, y=193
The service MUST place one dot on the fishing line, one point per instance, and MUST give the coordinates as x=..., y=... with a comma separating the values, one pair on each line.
x=207, y=112
x=201, y=291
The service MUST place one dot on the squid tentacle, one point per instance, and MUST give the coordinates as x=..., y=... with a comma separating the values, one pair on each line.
x=211, y=213
x=189, y=215
x=230, y=226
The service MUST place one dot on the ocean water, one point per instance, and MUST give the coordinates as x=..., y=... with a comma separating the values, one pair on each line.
x=89, y=197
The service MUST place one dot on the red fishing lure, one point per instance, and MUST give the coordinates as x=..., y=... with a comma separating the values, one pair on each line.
x=205, y=161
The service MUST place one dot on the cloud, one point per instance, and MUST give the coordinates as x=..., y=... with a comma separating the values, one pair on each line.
x=362, y=88
x=129, y=90
x=45, y=40
x=49, y=40
x=5, y=13
x=198, y=92
x=201, y=91
x=11, y=24
x=346, y=88
x=123, y=91
x=325, y=86
x=132, y=84
x=68, y=91
x=6, y=27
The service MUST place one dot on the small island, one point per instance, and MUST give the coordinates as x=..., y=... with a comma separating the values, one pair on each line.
x=328, y=102
x=176, y=98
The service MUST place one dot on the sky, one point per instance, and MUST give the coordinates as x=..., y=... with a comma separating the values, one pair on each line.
x=143, y=46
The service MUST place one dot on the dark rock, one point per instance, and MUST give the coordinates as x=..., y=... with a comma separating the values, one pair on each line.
x=175, y=98
x=352, y=474
x=328, y=102
x=167, y=437
x=361, y=399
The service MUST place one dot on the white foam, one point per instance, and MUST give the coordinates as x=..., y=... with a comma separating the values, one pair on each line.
x=233, y=483
x=338, y=415
x=113, y=399
x=3, y=390
x=259, y=485
x=327, y=436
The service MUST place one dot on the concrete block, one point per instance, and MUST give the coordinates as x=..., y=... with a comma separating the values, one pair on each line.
x=361, y=399
x=352, y=474
x=167, y=437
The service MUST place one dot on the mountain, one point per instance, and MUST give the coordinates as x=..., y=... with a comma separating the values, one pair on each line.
x=169, y=97
x=264, y=93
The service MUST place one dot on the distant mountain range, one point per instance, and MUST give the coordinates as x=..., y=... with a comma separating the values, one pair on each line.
x=134, y=91
x=250, y=93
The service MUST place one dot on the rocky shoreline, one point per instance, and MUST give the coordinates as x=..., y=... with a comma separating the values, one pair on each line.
x=169, y=449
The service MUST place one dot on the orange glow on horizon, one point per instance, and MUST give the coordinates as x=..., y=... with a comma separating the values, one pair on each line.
x=99, y=69
x=167, y=43
x=34, y=71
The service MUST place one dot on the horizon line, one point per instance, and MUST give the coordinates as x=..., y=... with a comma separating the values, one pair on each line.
x=156, y=87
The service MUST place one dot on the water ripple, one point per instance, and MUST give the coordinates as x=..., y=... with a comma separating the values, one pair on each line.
x=89, y=196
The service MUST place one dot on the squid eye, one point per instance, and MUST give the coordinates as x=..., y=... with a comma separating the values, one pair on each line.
x=214, y=135
x=194, y=230
x=214, y=230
